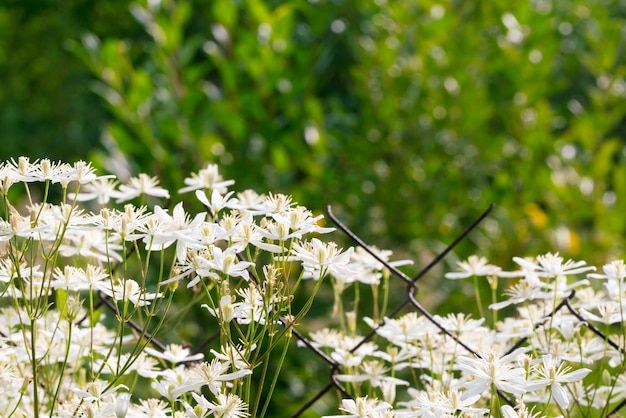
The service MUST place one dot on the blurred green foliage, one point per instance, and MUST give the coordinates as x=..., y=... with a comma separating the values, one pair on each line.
x=409, y=116
x=46, y=106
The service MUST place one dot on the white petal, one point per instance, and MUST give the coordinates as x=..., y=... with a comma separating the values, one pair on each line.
x=575, y=375
x=560, y=396
x=202, y=197
x=508, y=412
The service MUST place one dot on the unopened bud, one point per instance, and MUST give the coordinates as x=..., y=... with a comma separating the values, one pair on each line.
x=122, y=402
x=25, y=384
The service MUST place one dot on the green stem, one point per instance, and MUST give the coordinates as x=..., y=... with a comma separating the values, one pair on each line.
x=275, y=379
x=33, y=352
x=478, y=299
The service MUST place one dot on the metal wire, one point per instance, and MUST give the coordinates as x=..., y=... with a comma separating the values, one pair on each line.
x=410, y=301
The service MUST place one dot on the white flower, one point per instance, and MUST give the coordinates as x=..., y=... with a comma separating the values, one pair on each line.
x=153, y=408
x=279, y=229
x=46, y=170
x=256, y=308
x=554, y=374
x=211, y=375
x=551, y=265
x=250, y=200
x=134, y=218
x=608, y=313
x=408, y=328
x=6, y=179
x=129, y=290
x=102, y=189
x=234, y=355
x=301, y=219
x=174, y=382
x=326, y=337
x=175, y=353
x=218, y=201
x=19, y=226
x=203, y=407
x=77, y=279
x=349, y=358
x=615, y=270
x=141, y=185
x=95, y=390
x=365, y=268
x=82, y=172
x=501, y=372
x=228, y=309
x=145, y=366
x=459, y=403
x=174, y=228
x=227, y=262
x=207, y=178
x=362, y=408
x=247, y=232
x=195, y=262
x=22, y=170
x=521, y=292
x=474, y=266
x=520, y=411
x=614, y=273
x=374, y=372
x=275, y=204
x=9, y=271
x=94, y=243
x=229, y=406
x=319, y=258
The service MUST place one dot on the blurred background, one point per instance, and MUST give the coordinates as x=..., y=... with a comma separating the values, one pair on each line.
x=409, y=116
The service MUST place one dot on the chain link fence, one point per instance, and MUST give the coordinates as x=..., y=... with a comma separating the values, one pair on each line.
x=410, y=301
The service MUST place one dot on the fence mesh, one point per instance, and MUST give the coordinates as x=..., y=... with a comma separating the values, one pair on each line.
x=410, y=301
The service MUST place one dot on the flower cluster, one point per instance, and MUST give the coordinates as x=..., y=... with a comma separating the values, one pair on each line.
x=86, y=290
x=92, y=279
x=558, y=352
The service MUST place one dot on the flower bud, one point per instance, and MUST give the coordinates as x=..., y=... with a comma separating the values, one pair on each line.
x=122, y=402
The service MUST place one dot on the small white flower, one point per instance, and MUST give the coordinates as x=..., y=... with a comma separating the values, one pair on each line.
x=206, y=178
x=248, y=233
x=362, y=408
x=141, y=185
x=615, y=270
x=474, y=266
x=614, y=273
x=174, y=228
x=175, y=353
x=275, y=204
x=554, y=375
x=154, y=408
x=94, y=391
x=129, y=290
x=551, y=265
x=501, y=372
x=374, y=372
x=101, y=189
x=218, y=201
x=229, y=406
x=211, y=375
x=319, y=258
x=227, y=262
x=520, y=411
x=22, y=170
x=521, y=292
x=228, y=309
